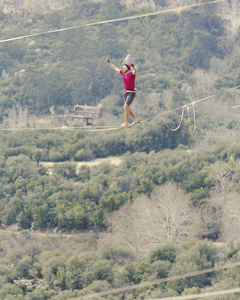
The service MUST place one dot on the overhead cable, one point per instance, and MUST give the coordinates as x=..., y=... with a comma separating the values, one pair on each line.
x=156, y=282
x=108, y=21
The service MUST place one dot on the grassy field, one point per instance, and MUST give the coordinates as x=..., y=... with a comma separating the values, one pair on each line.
x=11, y=238
x=116, y=161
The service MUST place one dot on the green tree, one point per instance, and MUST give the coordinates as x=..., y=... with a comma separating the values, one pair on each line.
x=103, y=271
x=10, y=289
x=41, y=217
x=61, y=278
x=81, y=86
x=24, y=266
x=117, y=255
x=25, y=219
x=75, y=273
x=161, y=268
x=112, y=8
x=20, y=165
x=12, y=210
x=38, y=155
x=196, y=255
x=165, y=251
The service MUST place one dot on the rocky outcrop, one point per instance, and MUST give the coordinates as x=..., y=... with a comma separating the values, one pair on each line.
x=230, y=11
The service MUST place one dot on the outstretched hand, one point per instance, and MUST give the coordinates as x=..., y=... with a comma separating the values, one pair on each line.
x=108, y=59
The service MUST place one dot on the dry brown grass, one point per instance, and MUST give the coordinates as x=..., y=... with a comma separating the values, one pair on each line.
x=116, y=161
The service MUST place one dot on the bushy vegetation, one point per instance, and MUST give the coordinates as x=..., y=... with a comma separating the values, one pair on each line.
x=73, y=198
x=76, y=265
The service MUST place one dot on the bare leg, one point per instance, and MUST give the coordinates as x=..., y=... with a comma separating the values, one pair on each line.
x=136, y=121
x=132, y=115
x=127, y=113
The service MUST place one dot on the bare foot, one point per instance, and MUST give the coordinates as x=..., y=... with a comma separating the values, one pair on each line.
x=124, y=125
x=136, y=122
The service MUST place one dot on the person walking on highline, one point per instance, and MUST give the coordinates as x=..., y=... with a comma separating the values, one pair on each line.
x=128, y=77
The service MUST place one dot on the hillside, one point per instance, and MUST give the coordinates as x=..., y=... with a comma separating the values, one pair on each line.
x=229, y=9
x=181, y=57
x=27, y=7
x=16, y=7
x=44, y=73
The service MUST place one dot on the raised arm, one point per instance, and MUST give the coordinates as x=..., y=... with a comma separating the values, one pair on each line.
x=134, y=69
x=112, y=65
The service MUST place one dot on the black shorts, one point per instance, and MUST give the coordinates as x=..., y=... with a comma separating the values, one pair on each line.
x=129, y=98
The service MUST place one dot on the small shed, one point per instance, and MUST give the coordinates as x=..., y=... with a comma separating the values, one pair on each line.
x=87, y=114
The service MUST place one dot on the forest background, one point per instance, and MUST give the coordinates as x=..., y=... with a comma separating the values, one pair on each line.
x=151, y=193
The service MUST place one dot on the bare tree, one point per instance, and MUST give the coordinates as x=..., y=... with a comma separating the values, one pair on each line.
x=204, y=84
x=174, y=213
x=167, y=98
x=231, y=217
x=167, y=215
x=12, y=116
x=225, y=199
x=22, y=117
x=225, y=177
x=17, y=117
